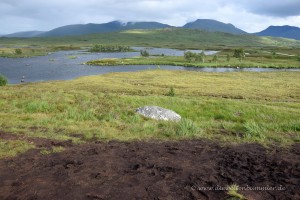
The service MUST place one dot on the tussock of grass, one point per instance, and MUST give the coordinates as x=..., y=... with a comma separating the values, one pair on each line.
x=253, y=130
x=187, y=127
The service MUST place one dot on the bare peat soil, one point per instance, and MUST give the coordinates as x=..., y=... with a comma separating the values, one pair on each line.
x=152, y=170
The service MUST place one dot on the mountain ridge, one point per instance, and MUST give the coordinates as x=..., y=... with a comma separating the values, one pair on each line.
x=286, y=31
x=25, y=34
x=116, y=26
x=214, y=26
x=91, y=28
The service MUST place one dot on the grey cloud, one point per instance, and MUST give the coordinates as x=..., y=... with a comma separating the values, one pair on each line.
x=49, y=14
x=276, y=8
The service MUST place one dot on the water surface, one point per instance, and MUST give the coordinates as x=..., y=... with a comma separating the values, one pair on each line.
x=66, y=65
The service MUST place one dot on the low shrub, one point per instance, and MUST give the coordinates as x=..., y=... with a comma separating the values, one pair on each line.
x=171, y=92
x=18, y=51
x=3, y=80
x=144, y=53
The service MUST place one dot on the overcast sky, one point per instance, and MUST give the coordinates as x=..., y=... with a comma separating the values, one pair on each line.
x=249, y=15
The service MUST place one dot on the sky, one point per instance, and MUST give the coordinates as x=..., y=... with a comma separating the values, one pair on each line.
x=248, y=15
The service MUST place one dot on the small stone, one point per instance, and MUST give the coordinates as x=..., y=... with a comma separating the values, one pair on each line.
x=158, y=113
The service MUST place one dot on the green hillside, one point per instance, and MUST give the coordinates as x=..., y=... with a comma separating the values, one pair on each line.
x=170, y=37
x=114, y=26
x=213, y=25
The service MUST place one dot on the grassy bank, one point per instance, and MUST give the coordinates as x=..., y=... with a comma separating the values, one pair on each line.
x=224, y=58
x=251, y=61
x=30, y=51
x=232, y=107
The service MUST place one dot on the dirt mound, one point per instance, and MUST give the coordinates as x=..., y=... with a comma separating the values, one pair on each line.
x=152, y=170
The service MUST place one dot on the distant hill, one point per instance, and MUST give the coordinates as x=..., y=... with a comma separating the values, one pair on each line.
x=26, y=34
x=281, y=31
x=114, y=26
x=213, y=25
x=83, y=29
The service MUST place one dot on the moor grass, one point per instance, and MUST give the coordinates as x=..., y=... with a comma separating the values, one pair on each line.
x=234, y=107
x=255, y=61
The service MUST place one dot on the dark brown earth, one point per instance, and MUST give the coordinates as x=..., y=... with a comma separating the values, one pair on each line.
x=151, y=170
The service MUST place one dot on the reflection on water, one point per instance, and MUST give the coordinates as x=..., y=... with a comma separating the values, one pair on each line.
x=65, y=65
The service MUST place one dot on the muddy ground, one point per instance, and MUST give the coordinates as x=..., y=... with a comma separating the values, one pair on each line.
x=151, y=170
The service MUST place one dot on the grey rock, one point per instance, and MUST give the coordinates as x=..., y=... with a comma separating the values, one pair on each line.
x=158, y=113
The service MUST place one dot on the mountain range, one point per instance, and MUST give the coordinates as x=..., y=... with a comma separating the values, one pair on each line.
x=115, y=26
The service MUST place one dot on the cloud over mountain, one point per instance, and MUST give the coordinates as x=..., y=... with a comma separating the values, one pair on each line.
x=251, y=16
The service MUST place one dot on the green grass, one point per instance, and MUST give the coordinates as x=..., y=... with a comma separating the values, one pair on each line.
x=187, y=127
x=26, y=52
x=72, y=57
x=53, y=150
x=229, y=107
x=233, y=192
x=9, y=148
x=32, y=50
